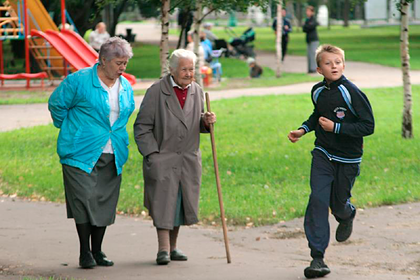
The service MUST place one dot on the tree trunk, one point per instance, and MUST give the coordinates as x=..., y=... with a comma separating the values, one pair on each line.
x=299, y=14
x=197, y=23
x=346, y=13
x=407, y=125
x=164, y=39
x=278, y=38
x=119, y=8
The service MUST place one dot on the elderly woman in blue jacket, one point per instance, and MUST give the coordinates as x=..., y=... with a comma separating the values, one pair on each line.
x=91, y=108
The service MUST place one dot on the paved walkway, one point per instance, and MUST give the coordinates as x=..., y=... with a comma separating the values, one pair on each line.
x=36, y=239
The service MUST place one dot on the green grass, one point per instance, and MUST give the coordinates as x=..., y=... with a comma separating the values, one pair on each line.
x=145, y=63
x=379, y=45
x=32, y=97
x=265, y=178
x=23, y=97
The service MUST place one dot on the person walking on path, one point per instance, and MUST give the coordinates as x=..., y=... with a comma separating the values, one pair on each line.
x=342, y=116
x=312, y=40
x=91, y=108
x=98, y=36
x=286, y=29
x=167, y=132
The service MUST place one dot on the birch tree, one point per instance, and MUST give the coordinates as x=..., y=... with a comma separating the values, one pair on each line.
x=279, y=31
x=164, y=39
x=407, y=123
x=197, y=25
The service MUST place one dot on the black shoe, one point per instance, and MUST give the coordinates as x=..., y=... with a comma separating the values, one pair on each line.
x=102, y=260
x=345, y=229
x=163, y=258
x=86, y=260
x=317, y=269
x=178, y=255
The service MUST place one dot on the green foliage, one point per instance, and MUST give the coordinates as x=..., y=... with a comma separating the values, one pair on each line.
x=148, y=8
x=265, y=178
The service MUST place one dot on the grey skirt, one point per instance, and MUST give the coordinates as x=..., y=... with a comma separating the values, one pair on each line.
x=92, y=198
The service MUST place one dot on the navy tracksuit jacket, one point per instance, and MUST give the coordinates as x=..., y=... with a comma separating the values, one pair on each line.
x=336, y=157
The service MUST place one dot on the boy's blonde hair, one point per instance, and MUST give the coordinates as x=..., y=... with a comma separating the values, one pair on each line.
x=330, y=49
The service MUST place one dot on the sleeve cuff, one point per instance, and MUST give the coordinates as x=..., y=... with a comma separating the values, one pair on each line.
x=337, y=128
x=305, y=127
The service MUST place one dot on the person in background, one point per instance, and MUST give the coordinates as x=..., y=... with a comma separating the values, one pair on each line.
x=98, y=36
x=201, y=52
x=312, y=40
x=255, y=71
x=286, y=29
x=209, y=34
x=213, y=62
x=91, y=107
x=185, y=21
x=167, y=132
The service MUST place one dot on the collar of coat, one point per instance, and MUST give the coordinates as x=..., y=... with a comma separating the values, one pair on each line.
x=96, y=79
x=173, y=103
x=174, y=84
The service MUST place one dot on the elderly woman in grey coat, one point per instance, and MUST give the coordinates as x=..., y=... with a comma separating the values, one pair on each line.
x=91, y=108
x=167, y=132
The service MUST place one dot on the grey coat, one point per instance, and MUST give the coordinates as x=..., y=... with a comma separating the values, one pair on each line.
x=168, y=137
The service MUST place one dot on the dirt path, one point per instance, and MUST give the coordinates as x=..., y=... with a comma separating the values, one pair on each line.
x=37, y=239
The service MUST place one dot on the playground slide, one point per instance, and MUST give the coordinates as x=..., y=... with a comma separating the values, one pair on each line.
x=87, y=52
x=59, y=43
x=68, y=43
x=38, y=17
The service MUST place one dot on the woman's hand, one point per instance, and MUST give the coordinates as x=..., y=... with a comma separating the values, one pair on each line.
x=295, y=135
x=209, y=118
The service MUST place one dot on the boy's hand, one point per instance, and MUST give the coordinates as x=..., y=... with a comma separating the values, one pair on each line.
x=326, y=124
x=294, y=135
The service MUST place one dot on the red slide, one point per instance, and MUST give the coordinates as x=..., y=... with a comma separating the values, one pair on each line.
x=74, y=49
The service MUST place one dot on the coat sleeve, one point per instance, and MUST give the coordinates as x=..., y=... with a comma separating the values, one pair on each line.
x=145, y=123
x=61, y=101
x=365, y=124
x=311, y=123
x=203, y=128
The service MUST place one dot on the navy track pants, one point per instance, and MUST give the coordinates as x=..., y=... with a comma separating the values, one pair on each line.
x=331, y=184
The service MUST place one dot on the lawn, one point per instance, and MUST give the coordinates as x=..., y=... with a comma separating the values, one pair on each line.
x=31, y=97
x=379, y=45
x=265, y=178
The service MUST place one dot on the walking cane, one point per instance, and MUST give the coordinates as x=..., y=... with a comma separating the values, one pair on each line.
x=219, y=188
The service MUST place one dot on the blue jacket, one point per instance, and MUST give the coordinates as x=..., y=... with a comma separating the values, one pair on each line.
x=80, y=108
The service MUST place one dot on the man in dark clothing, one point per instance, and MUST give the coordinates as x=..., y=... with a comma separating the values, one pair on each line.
x=287, y=28
x=312, y=40
x=342, y=116
x=185, y=21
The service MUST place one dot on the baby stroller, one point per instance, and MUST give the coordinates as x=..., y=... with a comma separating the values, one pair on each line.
x=242, y=45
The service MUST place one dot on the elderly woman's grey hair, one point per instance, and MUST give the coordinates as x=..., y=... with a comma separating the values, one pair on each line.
x=178, y=54
x=115, y=47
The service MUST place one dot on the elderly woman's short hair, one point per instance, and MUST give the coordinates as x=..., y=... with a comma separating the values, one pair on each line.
x=178, y=54
x=115, y=47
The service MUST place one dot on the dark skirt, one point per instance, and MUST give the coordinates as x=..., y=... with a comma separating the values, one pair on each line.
x=92, y=198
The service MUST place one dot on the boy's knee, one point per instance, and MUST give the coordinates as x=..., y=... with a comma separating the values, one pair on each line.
x=318, y=200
